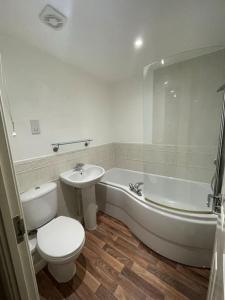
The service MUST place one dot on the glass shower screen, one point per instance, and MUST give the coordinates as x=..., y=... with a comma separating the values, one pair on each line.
x=181, y=116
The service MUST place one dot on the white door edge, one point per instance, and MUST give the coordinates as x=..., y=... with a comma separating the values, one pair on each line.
x=10, y=207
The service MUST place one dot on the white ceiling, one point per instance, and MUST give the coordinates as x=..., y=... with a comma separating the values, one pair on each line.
x=99, y=34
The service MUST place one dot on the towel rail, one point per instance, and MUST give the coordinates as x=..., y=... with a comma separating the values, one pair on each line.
x=55, y=146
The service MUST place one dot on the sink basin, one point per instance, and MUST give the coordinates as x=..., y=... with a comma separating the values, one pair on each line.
x=86, y=180
x=89, y=176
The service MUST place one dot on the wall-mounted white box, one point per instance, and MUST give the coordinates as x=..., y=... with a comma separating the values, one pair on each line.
x=35, y=126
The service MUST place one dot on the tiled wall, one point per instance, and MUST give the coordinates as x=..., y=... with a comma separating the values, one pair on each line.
x=193, y=163
x=30, y=173
x=186, y=162
x=192, y=117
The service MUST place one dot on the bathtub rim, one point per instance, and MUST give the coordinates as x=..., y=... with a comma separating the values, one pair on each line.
x=200, y=217
x=156, y=175
x=153, y=203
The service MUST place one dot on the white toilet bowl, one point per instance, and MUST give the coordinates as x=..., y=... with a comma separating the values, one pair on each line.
x=59, y=239
x=60, y=242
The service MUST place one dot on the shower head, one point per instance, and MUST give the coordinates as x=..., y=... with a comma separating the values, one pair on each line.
x=222, y=88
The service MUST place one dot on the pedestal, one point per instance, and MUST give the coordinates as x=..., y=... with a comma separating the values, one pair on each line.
x=89, y=207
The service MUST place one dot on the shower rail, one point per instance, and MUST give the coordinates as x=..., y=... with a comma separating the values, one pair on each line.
x=55, y=146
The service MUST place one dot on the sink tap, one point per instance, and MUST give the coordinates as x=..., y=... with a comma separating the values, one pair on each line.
x=79, y=167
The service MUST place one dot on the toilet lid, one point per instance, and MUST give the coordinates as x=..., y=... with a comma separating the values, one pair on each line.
x=60, y=237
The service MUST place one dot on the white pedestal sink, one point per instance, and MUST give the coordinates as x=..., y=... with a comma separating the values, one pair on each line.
x=86, y=179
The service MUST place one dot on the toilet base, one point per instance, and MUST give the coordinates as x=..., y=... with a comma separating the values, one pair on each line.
x=62, y=272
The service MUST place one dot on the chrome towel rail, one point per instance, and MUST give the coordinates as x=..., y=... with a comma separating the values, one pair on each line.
x=55, y=146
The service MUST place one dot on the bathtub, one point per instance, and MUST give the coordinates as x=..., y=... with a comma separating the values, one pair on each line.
x=171, y=217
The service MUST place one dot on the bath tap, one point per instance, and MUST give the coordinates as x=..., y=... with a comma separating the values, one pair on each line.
x=79, y=167
x=136, y=188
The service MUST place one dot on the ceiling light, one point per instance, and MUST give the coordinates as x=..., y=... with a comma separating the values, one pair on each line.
x=172, y=91
x=165, y=82
x=138, y=43
x=162, y=61
x=175, y=96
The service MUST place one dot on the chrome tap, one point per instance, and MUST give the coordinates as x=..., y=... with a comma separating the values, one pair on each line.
x=79, y=167
x=136, y=188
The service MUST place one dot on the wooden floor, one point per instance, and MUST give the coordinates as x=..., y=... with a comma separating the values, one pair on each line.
x=116, y=265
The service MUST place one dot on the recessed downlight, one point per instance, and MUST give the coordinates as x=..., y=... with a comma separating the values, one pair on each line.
x=138, y=43
x=162, y=61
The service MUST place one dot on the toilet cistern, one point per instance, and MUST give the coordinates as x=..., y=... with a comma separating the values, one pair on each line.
x=85, y=177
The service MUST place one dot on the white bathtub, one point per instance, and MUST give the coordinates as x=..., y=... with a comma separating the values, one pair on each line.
x=171, y=217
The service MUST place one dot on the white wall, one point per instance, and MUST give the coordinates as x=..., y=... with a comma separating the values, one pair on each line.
x=69, y=103
x=72, y=104
x=127, y=111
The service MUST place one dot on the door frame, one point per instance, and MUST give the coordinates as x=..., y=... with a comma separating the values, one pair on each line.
x=18, y=272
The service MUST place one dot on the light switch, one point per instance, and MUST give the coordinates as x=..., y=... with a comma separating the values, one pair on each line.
x=35, y=126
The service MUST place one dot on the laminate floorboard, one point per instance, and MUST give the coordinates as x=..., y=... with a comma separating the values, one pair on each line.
x=114, y=264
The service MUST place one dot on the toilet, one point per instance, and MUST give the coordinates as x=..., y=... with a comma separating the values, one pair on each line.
x=59, y=240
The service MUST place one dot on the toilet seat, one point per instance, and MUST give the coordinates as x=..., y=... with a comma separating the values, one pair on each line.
x=60, y=239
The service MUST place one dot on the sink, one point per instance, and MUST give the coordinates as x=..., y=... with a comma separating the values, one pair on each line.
x=86, y=180
x=89, y=175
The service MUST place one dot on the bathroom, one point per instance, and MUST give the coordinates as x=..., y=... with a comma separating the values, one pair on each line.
x=112, y=149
